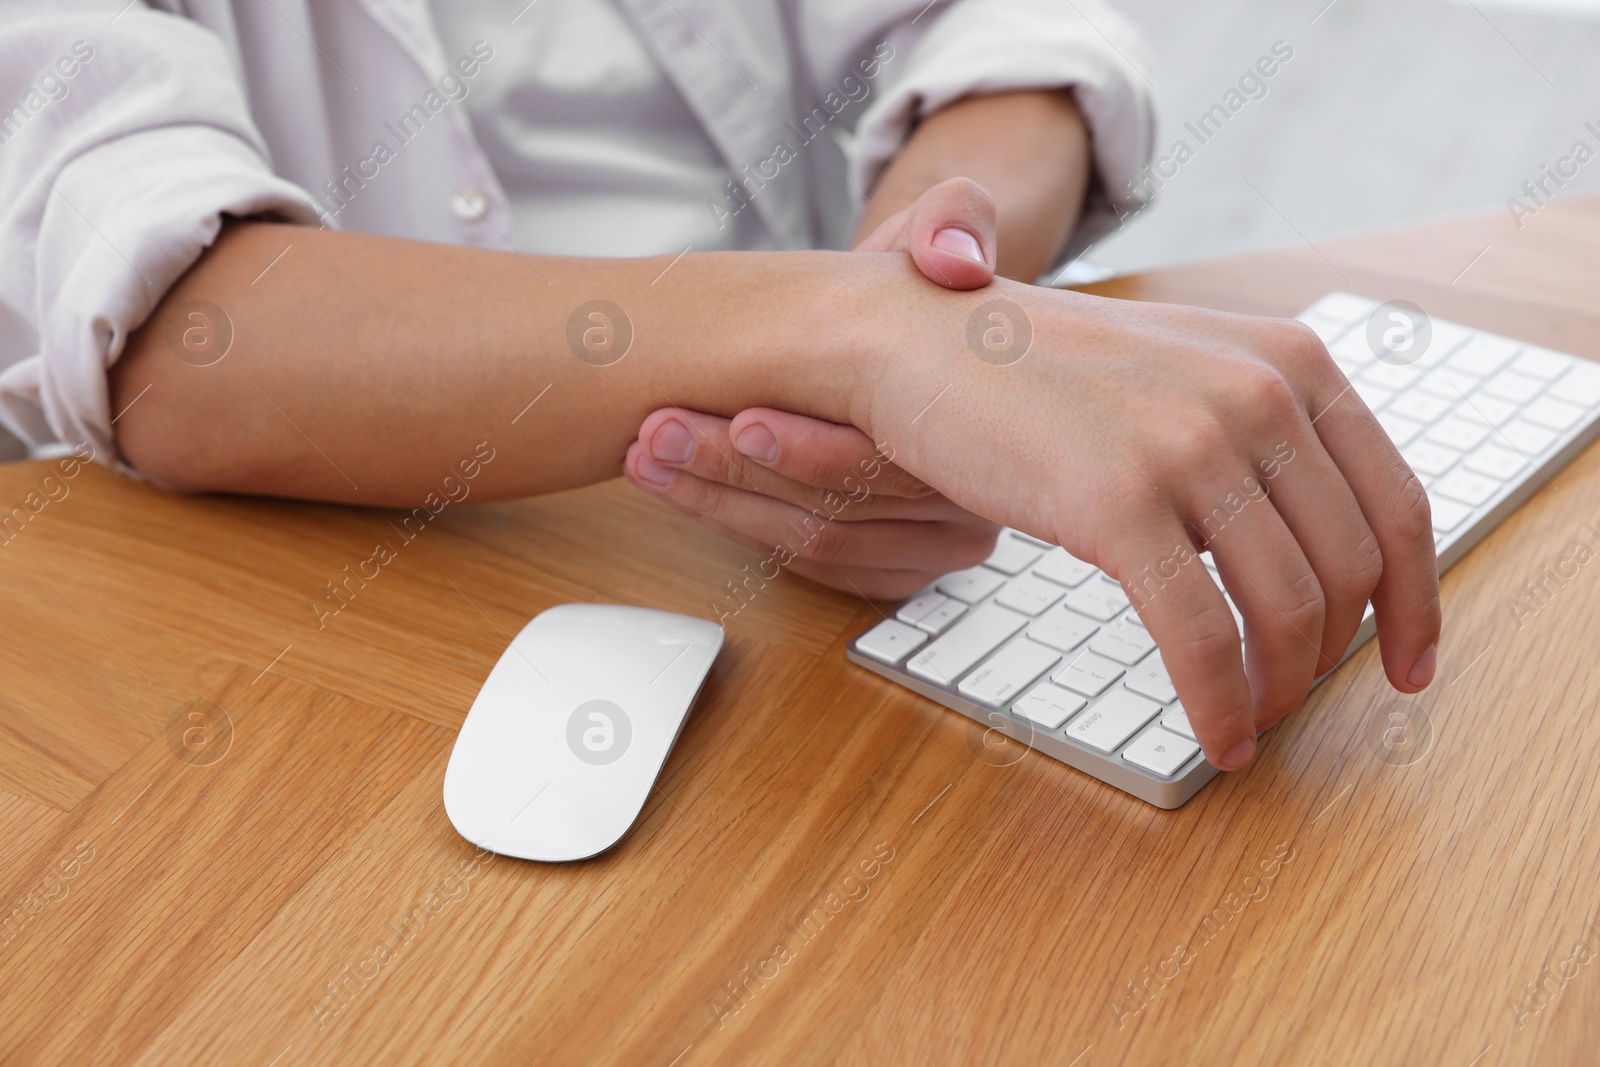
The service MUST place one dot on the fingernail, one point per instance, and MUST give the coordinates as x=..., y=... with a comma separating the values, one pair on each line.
x=1239, y=754
x=1422, y=670
x=960, y=242
x=672, y=443
x=758, y=443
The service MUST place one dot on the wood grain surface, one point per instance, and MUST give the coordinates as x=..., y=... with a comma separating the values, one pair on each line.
x=831, y=869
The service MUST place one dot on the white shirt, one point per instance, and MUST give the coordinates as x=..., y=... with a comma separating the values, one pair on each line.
x=596, y=149
x=128, y=129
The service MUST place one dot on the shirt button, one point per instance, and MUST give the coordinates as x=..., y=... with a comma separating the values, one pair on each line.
x=469, y=204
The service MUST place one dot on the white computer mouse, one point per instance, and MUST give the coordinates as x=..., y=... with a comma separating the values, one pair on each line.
x=557, y=756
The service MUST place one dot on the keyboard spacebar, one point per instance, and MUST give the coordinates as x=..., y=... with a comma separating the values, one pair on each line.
x=965, y=643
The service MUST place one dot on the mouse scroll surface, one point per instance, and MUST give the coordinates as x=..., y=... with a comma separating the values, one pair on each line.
x=561, y=748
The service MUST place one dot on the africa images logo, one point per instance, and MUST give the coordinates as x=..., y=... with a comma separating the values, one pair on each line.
x=599, y=732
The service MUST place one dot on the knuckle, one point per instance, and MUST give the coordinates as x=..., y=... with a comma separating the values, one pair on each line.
x=829, y=545
x=1265, y=395
x=1411, y=514
x=1360, y=575
x=1296, y=347
x=699, y=495
x=1305, y=606
x=1211, y=641
x=1193, y=446
x=733, y=467
x=818, y=470
x=1301, y=343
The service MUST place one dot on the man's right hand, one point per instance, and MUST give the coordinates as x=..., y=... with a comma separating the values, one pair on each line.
x=1130, y=433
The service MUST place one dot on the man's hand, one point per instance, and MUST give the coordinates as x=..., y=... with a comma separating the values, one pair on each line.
x=767, y=478
x=1135, y=434
x=949, y=232
x=792, y=485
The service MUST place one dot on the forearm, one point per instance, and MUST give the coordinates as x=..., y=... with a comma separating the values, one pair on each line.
x=362, y=368
x=1029, y=149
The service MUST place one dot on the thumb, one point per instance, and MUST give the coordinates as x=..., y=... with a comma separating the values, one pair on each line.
x=951, y=234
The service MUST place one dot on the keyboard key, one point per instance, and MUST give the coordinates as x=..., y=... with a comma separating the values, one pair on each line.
x=1048, y=705
x=1541, y=363
x=1328, y=329
x=1123, y=641
x=1465, y=487
x=1527, y=438
x=1160, y=752
x=1449, y=383
x=1063, y=568
x=1486, y=410
x=890, y=641
x=939, y=619
x=1352, y=350
x=1101, y=599
x=919, y=606
x=1459, y=434
x=1150, y=679
x=1391, y=376
x=1088, y=674
x=1008, y=672
x=1012, y=555
x=1062, y=630
x=1112, y=720
x=1028, y=594
x=1447, y=337
x=971, y=585
x=1425, y=457
x=1400, y=430
x=1346, y=307
x=964, y=644
x=1415, y=404
x=1552, y=414
x=1447, y=514
x=1177, y=720
x=1580, y=386
x=1517, y=388
x=1483, y=355
x=1496, y=462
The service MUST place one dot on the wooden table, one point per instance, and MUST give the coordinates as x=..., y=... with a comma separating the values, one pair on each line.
x=832, y=869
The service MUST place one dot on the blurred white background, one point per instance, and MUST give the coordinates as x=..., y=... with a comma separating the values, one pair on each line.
x=1390, y=111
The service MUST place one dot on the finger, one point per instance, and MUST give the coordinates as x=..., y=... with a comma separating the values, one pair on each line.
x=1316, y=504
x=815, y=535
x=699, y=444
x=1278, y=594
x=951, y=234
x=874, y=583
x=820, y=453
x=1395, y=505
x=1186, y=614
x=886, y=238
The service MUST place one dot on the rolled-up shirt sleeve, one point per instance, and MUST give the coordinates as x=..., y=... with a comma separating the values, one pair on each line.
x=113, y=180
x=975, y=47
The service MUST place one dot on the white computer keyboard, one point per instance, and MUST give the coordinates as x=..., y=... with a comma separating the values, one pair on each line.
x=1044, y=648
